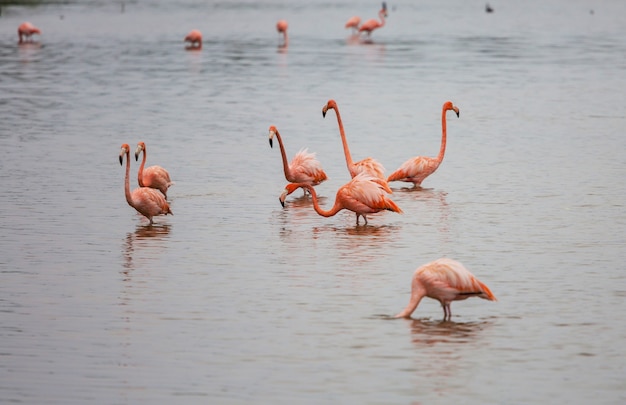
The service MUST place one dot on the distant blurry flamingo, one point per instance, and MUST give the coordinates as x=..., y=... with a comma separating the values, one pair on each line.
x=25, y=30
x=369, y=165
x=195, y=40
x=353, y=23
x=304, y=167
x=153, y=176
x=445, y=280
x=370, y=25
x=281, y=27
x=363, y=195
x=416, y=169
x=147, y=201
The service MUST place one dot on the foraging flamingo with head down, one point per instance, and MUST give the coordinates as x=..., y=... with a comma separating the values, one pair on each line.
x=370, y=25
x=369, y=165
x=353, y=23
x=195, y=40
x=444, y=280
x=281, y=27
x=364, y=194
x=25, y=31
x=304, y=167
x=147, y=201
x=153, y=176
x=416, y=169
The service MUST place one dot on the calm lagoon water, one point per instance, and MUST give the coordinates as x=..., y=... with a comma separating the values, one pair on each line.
x=234, y=299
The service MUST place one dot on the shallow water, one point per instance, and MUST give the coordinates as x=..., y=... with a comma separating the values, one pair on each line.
x=234, y=299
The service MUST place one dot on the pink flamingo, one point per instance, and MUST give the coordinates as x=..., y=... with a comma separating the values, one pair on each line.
x=195, y=40
x=364, y=194
x=153, y=176
x=281, y=27
x=445, y=280
x=353, y=23
x=369, y=165
x=304, y=167
x=416, y=169
x=25, y=30
x=370, y=25
x=147, y=201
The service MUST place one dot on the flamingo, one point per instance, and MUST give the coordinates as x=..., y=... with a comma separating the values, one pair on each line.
x=445, y=280
x=353, y=23
x=147, y=201
x=281, y=27
x=369, y=165
x=25, y=30
x=370, y=25
x=364, y=194
x=304, y=167
x=416, y=169
x=195, y=40
x=153, y=176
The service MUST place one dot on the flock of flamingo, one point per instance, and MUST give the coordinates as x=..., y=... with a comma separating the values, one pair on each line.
x=367, y=192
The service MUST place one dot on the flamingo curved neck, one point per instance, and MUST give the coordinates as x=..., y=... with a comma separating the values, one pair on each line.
x=344, y=141
x=129, y=199
x=140, y=172
x=334, y=210
x=284, y=157
x=442, y=149
x=416, y=296
x=381, y=15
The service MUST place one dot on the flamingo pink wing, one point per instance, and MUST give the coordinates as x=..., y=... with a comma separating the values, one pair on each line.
x=305, y=168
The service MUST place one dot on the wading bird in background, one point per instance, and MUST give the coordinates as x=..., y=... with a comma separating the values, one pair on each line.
x=353, y=23
x=153, y=176
x=25, y=31
x=368, y=165
x=363, y=195
x=195, y=40
x=370, y=25
x=444, y=280
x=416, y=169
x=147, y=201
x=304, y=167
x=281, y=27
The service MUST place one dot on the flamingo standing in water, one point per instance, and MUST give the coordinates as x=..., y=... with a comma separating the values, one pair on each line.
x=281, y=27
x=25, y=31
x=147, y=201
x=416, y=169
x=369, y=165
x=445, y=280
x=364, y=194
x=304, y=167
x=370, y=25
x=195, y=40
x=353, y=23
x=153, y=176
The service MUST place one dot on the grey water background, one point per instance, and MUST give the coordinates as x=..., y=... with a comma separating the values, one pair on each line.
x=237, y=300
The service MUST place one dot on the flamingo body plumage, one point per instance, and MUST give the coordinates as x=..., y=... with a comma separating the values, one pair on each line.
x=25, y=30
x=281, y=27
x=370, y=25
x=147, y=201
x=304, y=167
x=416, y=169
x=195, y=40
x=444, y=280
x=353, y=23
x=367, y=165
x=364, y=194
x=154, y=176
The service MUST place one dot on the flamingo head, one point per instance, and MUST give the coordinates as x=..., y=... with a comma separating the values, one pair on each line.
x=140, y=147
x=125, y=150
x=273, y=132
x=289, y=188
x=449, y=106
x=384, y=9
x=331, y=104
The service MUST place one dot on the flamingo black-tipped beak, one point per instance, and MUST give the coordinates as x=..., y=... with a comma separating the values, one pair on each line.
x=458, y=114
x=324, y=113
x=271, y=143
x=121, y=159
x=282, y=202
x=136, y=156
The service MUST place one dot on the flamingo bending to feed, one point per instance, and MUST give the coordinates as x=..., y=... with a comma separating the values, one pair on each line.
x=369, y=165
x=445, y=280
x=370, y=25
x=147, y=201
x=416, y=169
x=304, y=167
x=281, y=27
x=195, y=40
x=26, y=30
x=353, y=23
x=364, y=194
x=153, y=176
